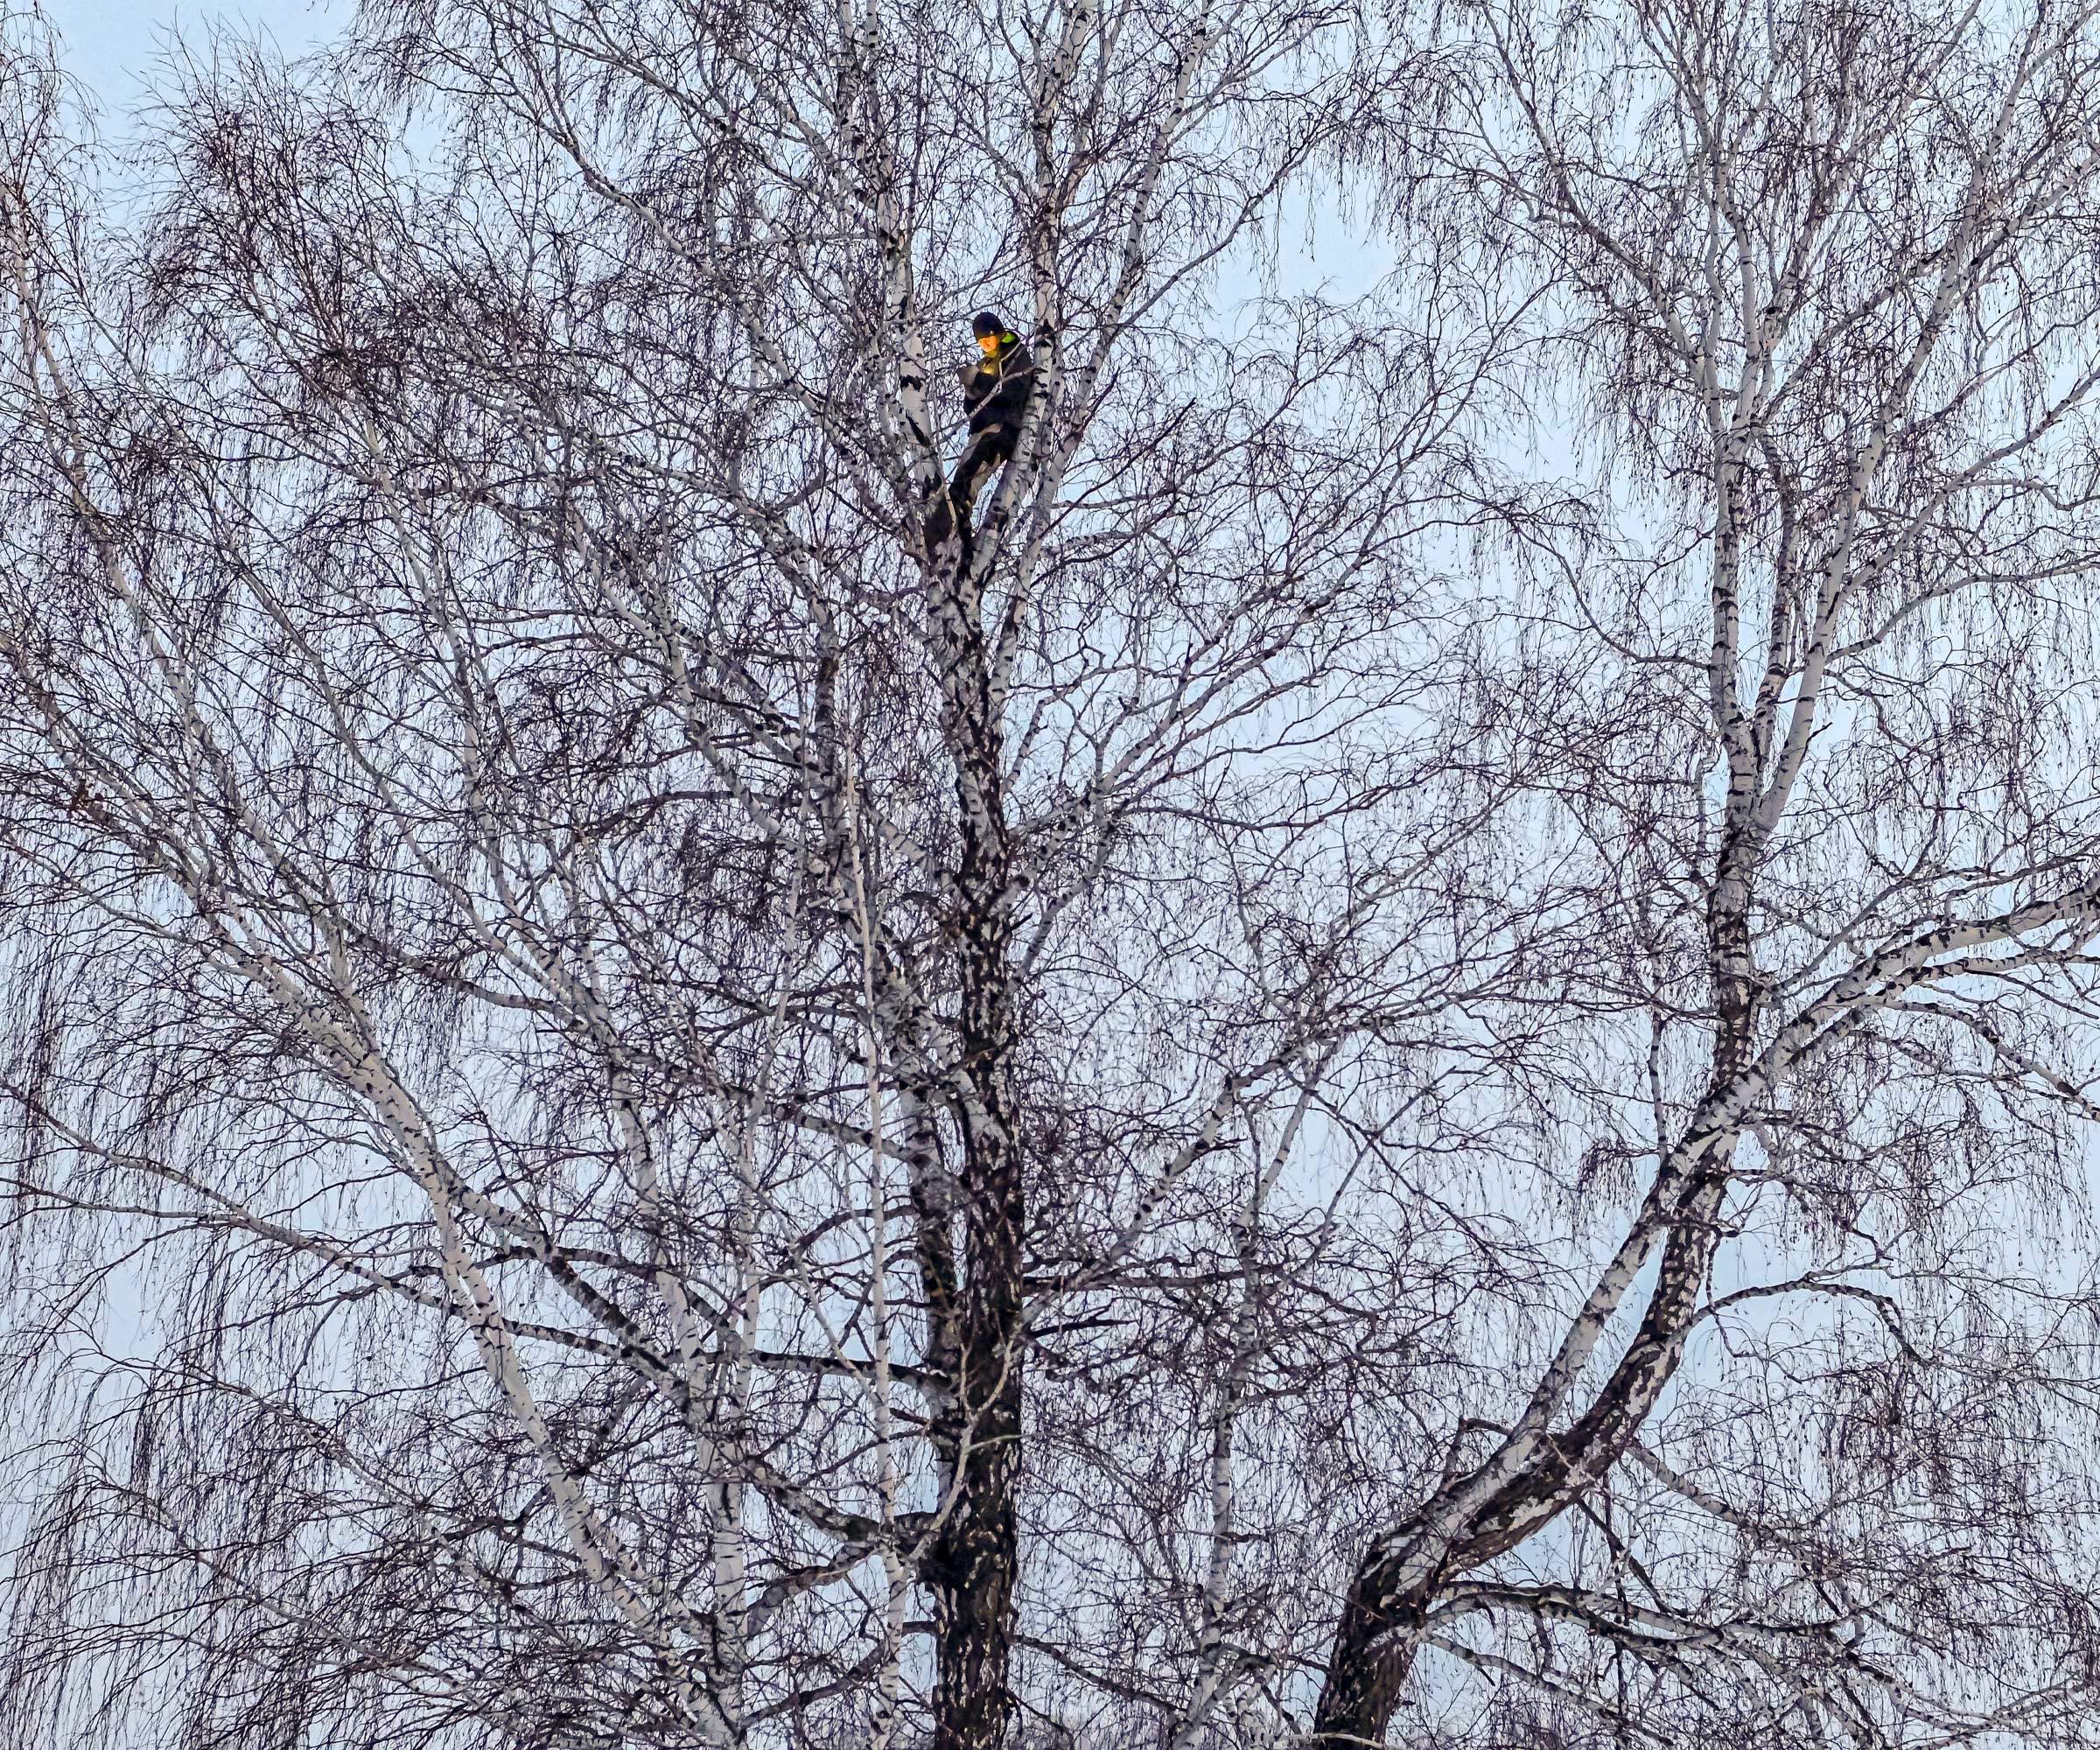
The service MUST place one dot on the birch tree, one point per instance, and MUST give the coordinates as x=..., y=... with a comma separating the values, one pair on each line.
x=607, y=1052
x=1797, y=1456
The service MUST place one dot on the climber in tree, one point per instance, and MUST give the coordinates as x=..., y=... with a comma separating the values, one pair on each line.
x=994, y=393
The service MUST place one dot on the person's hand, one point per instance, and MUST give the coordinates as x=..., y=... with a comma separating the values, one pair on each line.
x=964, y=374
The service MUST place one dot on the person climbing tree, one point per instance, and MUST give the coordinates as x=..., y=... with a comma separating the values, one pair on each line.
x=995, y=394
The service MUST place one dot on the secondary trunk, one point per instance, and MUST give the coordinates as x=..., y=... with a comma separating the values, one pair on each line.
x=1374, y=1652
x=1397, y=1581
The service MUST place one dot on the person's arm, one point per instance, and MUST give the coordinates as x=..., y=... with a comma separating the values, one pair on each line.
x=1017, y=379
x=980, y=383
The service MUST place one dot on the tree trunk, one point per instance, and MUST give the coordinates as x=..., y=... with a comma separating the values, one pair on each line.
x=1397, y=1581
x=1374, y=1652
x=971, y=1568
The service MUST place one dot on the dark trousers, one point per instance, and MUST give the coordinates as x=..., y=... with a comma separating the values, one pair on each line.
x=982, y=458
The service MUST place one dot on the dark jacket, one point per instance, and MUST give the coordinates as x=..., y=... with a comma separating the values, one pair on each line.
x=996, y=392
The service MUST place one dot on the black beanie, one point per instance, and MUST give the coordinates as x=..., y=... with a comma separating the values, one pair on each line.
x=986, y=323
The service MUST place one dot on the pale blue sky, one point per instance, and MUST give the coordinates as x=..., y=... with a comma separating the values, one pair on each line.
x=112, y=45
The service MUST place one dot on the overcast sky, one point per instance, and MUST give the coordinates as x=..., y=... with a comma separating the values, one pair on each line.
x=113, y=44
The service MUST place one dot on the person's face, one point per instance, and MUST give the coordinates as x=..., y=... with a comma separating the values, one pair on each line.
x=988, y=344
